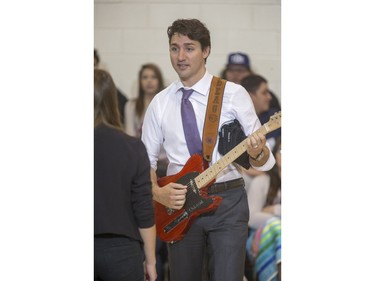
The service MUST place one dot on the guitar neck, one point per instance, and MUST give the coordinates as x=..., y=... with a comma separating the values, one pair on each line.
x=210, y=174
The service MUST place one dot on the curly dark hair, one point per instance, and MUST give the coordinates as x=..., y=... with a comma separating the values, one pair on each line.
x=192, y=28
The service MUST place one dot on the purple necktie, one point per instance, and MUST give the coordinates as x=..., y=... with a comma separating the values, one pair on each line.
x=189, y=124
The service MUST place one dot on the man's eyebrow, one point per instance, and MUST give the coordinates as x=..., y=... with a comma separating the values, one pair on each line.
x=184, y=44
x=189, y=45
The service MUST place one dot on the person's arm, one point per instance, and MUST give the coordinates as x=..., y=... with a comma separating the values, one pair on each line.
x=142, y=206
x=149, y=239
x=172, y=195
x=257, y=197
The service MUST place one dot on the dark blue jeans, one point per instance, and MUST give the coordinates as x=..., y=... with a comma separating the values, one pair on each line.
x=118, y=259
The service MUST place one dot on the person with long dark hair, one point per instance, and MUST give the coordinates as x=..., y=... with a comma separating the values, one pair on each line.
x=150, y=82
x=124, y=226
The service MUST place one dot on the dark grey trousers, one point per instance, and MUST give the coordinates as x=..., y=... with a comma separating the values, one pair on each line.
x=215, y=245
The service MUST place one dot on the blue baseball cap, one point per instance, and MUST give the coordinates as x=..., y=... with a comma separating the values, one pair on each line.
x=239, y=59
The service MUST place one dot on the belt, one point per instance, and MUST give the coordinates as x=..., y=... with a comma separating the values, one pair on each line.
x=223, y=186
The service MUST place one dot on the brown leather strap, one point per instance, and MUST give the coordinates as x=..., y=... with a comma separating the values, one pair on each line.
x=211, y=123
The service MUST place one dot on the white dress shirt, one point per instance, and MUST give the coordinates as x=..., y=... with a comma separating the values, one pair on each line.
x=162, y=125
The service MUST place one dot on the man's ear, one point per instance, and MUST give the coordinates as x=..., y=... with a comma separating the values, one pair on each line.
x=206, y=52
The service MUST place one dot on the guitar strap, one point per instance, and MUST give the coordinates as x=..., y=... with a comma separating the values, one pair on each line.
x=211, y=122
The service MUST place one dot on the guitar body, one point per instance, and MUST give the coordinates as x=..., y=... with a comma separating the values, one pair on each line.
x=171, y=225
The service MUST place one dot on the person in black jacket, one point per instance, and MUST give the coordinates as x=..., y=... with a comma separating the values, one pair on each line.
x=124, y=226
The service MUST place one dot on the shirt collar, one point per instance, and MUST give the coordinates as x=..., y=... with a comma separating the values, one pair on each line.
x=201, y=87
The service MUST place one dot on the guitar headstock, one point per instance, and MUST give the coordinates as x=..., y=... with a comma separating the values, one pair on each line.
x=274, y=122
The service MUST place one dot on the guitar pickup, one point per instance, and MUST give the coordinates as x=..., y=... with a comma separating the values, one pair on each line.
x=175, y=222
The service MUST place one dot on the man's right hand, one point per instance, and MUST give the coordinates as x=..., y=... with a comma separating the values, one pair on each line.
x=172, y=195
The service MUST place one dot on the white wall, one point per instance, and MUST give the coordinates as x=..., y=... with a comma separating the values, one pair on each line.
x=128, y=34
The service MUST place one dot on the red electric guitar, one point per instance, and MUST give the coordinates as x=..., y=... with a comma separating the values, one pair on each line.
x=171, y=224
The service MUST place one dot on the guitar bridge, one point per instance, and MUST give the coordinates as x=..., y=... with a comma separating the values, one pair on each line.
x=175, y=222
